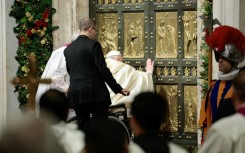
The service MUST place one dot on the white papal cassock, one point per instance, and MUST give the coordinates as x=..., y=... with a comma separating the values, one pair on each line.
x=130, y=78
x=56, y=70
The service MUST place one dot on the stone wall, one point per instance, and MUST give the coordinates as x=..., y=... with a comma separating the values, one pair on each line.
x=69, y=13
x=8, y=65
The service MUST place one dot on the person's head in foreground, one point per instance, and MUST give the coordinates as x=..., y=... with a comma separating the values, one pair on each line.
x=53, y=103
x=149, y=111
x=29, y=136
x=105, y=136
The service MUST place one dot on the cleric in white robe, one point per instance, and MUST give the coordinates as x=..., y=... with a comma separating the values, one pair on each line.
x=128, y=77
x=56, y=70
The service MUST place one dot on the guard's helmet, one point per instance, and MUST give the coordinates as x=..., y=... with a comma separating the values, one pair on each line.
x=227, y=42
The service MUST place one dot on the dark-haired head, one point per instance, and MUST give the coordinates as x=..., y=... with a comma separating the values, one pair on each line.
x=149, y=110
x=105, y=136
x=53, y=102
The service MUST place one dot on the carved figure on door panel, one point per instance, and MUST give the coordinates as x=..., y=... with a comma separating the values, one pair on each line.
x=131, y=44
x=189, y=110
x=112, y=35
x=139, y=38
x=140, y=1
x=162, y=38
x=194, y=35
x=170, y=38
x=133, y=1
x=173, y=71
x=107, y=1
x=187, y=33
x=126, y=1
x=187, y=72
x=166, y=71
x=190, y=101
x=190, y=37
x=113, y=28
x=167, y=125
x=158, y=71
x=107, y=42
x=171, y=93
x=194, y=72
x=102, y=40
x=189, y=117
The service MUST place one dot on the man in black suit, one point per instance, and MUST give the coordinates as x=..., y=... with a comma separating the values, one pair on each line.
x=88, y=72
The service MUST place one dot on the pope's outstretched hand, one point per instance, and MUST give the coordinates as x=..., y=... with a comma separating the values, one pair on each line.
x=149, y=66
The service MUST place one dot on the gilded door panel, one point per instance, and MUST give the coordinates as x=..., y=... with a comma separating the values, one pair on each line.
x=166, y=35
x=190, y=34
x=190, y=103
x=108, y=31
x=170, y=91
x=133, y=35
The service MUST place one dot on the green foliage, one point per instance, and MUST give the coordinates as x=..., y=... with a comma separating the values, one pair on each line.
x=206, y=9
x=34, y=33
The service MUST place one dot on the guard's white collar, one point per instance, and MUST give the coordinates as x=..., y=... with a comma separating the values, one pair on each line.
x=228, y=76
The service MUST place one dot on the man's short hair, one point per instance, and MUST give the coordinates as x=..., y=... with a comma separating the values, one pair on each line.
x=104, y=136
x=54, y=102
x=239, y=84
x=149, y=110
x=86, y=23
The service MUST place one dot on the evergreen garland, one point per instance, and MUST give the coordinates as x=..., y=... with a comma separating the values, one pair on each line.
x=34, y=33
x=206, y=10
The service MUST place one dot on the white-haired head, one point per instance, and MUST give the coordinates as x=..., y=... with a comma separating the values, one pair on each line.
x=114, y=54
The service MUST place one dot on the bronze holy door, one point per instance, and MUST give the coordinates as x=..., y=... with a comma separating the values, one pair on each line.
x=166, y=32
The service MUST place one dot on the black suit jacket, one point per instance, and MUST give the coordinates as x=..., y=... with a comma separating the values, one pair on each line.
x=88, y=73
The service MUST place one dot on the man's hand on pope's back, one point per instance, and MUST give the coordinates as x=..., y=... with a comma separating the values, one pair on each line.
x=125, y=92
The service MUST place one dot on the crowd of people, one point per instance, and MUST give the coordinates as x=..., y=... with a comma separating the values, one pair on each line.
x=88, y=82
